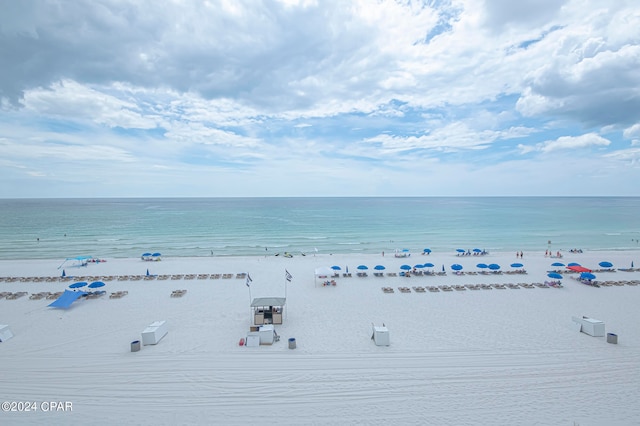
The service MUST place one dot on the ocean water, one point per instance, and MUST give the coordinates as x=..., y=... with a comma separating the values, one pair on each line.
x=60, y=228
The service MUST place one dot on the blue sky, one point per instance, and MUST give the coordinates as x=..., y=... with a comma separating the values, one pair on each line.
x=319, y=98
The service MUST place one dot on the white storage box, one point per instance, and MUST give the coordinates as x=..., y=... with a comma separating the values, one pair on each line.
x=267, y=334
x=154, y=333
x=5, y=333
x=381, y=336
x=590, y=326
x=253, y=339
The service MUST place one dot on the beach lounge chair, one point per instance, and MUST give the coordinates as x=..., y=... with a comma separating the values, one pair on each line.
x=178, y=293
x=387, y=289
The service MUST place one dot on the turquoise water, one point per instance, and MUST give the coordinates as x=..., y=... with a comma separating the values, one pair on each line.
x=59, y=228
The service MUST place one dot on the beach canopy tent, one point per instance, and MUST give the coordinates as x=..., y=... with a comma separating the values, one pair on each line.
x=268, y=310
x=66, y=299
x=78, y=261
x=578, y=268
x=324, y=272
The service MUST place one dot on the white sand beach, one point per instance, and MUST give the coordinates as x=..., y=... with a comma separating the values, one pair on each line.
x=461, y=357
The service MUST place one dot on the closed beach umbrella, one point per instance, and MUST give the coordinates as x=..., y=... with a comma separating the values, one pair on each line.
x=96, y=284
x=456, y=267
x=606, y=264
x=64, y=274
x=405, y=267
x=78, y=284
x=494, y=266
x=557, y=264
x=587, y=276
x=554, y=275
x=517, y=265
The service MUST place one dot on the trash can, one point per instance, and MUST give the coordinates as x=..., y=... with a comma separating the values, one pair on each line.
x=292, y=343
x=135, y=346
x=612, y=338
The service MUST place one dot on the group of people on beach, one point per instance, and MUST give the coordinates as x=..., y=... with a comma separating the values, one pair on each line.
x=519, y=254
x=549, y=253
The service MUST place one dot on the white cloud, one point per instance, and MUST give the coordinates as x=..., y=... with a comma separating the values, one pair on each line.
x=568, y=143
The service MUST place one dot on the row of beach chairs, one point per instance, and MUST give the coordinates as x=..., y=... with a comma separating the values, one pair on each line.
x=460, y=287
x=107, y=278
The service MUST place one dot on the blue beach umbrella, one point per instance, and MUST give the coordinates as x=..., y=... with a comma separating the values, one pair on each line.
x=363, y=267
x=477, y=250
x=606, y=264
x=482, y=265
x=456, y=267
x=405, y=267
x=418, y=266
x=336, y=268
x=78, y=284
x=587, y=276
x=557, y=264
x=428, y=265
x=517, y=265
x=461, y=250
x=427, y=250
x=573, y=264
x=379, y=268
x=494, y=266
x=555, y=275
x=96, y=284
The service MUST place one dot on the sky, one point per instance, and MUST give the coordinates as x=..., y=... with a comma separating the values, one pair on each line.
x=233, y=98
